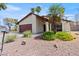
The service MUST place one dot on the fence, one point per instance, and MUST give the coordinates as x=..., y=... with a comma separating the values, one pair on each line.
x=74, y=26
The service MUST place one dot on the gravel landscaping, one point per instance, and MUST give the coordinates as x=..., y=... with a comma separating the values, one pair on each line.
x=39, y=47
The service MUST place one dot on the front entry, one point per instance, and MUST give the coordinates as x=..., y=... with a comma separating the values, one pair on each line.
x=44, y=27
x=59, y=27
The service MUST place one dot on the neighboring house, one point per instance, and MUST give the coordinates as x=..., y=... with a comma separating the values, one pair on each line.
x=38, y=24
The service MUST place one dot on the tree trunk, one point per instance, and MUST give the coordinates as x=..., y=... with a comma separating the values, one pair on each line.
x=54, y=28
x=49, y=26
x=9, y=28
x=54, y=25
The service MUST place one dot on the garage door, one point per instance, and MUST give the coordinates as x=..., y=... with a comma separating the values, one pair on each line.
x=25, y=27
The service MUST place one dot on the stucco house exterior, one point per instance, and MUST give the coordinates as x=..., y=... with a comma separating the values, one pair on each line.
x=38, y=24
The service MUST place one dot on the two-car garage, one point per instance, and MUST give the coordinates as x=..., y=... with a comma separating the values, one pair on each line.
x=25, y=27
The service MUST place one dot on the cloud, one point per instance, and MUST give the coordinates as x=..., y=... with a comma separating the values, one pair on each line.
x=69, y=16
x=12, y=8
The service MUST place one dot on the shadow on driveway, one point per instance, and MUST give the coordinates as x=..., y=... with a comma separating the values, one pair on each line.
x=38, y=37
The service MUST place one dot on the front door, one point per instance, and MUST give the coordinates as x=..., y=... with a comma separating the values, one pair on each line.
x=44, y=27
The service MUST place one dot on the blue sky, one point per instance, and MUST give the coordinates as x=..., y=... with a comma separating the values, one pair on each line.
x=19, y=10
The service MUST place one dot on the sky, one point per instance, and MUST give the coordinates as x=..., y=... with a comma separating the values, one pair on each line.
x=19, y=10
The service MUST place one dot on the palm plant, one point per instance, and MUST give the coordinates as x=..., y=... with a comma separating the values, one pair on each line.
x=56, y=12
x=3, y=6
x=33, y=10
x=38, y=9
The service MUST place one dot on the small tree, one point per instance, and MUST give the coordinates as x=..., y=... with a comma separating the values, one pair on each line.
x=37, y=9
x=33, y=10
x=56, y=11
x=10, y=22
x=3, y=6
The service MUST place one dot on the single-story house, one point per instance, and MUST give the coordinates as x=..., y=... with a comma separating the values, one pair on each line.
x=38, y=24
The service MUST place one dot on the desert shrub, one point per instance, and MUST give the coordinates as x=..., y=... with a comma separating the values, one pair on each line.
x=48, y=36
x=13, y=29
x=27, y=33
x=10, y=38
x=64, y=36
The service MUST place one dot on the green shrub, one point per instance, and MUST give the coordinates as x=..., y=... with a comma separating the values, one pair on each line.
x=10, y=38
x=64, y=36
x=48, y=36
x=27, y=33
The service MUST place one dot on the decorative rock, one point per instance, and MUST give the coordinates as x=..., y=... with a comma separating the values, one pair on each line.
x=74, y=38
x=77, y=33
x=55, y=46
x=16, y=50
x=23, y=43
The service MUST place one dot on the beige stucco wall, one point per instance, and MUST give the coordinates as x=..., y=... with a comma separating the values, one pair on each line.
x=17, y=27
x=65, y=26
x=30, y=20
x=39, y=25
x=47, y=26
